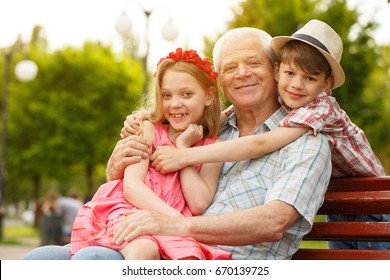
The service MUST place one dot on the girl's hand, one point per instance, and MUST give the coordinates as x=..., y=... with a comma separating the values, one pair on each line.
x=192, y=135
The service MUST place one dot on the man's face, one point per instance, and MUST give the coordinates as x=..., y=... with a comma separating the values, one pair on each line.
x=246, y=74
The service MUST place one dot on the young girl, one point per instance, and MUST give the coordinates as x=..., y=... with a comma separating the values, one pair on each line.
x=308, y=69
x=187, y=111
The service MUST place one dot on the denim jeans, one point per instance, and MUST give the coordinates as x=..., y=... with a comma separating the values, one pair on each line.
x=55, y=252
x=363, y=245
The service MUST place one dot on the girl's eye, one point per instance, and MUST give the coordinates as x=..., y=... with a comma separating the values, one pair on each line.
x=311, y=79
x=165, y=95
x=289, y=73
x=187, y=94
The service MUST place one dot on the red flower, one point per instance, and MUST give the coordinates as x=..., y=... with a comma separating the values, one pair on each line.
x=192, y=57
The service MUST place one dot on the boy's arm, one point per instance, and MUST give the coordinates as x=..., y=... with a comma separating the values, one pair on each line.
x=136, y=191
x=166, y=159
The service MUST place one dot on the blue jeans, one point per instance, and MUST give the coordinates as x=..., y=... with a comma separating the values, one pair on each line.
x=55, y=252
x=363, y=245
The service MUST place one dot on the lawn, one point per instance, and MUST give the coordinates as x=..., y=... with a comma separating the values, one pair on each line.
x=316, y=244
x=13, y=234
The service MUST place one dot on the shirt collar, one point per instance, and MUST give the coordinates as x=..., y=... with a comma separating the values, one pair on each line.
x=271, y=123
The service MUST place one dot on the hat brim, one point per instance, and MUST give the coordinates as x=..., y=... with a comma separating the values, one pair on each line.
x=337, y=72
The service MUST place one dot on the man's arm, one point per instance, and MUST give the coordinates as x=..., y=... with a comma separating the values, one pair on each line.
x=264, y=223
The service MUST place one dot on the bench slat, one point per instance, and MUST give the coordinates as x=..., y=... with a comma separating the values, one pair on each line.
x=358, y=195
x=357, y=231
x=326, y=254
x=364, y=202
x=359, y=184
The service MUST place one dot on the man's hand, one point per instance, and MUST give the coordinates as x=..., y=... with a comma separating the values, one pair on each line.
x=132, y=124
x=127, y=151
x=142, y=222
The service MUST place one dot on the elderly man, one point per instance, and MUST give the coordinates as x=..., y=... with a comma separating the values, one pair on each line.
x=264, y=206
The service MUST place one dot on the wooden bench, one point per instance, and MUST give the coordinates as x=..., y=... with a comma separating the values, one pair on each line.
x=359, y=195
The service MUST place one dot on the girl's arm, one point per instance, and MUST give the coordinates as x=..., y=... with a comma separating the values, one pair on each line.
x=199, y=188
x=136, y=191
x=243, y=148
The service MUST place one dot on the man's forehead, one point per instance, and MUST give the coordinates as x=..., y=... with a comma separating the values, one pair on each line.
x=240, y=53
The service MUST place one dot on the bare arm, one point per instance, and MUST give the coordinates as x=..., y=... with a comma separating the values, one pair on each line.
x=136, y=191
x=264, y=223
x=166, y=159
x=198, y=188
x=126, y=152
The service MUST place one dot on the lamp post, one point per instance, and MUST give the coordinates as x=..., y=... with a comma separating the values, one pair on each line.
x=123, y=26
x=25, y=71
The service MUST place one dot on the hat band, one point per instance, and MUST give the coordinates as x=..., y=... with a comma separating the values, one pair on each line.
x=312, y=40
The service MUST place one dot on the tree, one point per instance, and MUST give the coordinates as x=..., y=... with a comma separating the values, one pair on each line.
x=279, y=17
x=376, y=114
x=70, y=116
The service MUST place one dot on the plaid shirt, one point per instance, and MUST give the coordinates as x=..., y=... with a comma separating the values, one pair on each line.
x=297, y=174
x=351, y=153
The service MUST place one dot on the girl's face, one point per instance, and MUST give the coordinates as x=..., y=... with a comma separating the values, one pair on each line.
x=184, y=99
x=297, y=88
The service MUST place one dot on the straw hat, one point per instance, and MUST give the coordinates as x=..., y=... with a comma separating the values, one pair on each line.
x=321, y=36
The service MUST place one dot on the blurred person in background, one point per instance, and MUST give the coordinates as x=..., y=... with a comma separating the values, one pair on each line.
x=50, y=220
x=67, y=207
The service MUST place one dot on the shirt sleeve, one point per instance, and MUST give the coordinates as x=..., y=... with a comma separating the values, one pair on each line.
x=303, y=178
x=314, y=115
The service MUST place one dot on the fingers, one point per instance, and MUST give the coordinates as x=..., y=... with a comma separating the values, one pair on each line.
x=131, y=126
x=132, y=226
x=134, y=146
x=127, y=151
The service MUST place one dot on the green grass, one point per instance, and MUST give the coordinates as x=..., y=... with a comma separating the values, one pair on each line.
x=13, y=234
x=315, y=244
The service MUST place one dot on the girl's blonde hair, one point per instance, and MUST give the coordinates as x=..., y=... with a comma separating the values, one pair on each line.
x=211, y=116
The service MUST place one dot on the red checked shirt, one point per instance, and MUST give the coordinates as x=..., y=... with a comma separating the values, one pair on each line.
x=352, y=155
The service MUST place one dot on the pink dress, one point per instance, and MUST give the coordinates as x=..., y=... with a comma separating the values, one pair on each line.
x=97, y=219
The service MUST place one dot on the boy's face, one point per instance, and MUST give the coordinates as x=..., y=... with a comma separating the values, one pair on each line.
x=296, y=87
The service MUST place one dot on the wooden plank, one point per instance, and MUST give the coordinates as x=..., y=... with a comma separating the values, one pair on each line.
x=359, y=184
x=357, y=195
x=330, y=254
x=365, y=202
x=357, y=231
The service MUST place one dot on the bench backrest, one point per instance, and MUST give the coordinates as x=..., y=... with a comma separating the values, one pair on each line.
x=358, y=195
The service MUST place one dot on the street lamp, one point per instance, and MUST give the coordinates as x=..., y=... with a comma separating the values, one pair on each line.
x=123, y=26
x=25, y=71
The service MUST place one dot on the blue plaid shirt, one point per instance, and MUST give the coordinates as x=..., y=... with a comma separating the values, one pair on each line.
x=297, y=174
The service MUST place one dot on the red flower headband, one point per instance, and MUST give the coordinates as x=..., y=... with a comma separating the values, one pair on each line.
x=192, y=56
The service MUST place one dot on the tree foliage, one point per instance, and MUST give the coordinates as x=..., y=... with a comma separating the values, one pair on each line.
x=360, y=59
x=67, y=120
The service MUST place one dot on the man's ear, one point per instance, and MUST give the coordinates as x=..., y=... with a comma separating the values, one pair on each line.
x=276, y=71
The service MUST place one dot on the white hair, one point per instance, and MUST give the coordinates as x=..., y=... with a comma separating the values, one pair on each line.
x=235, y=34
